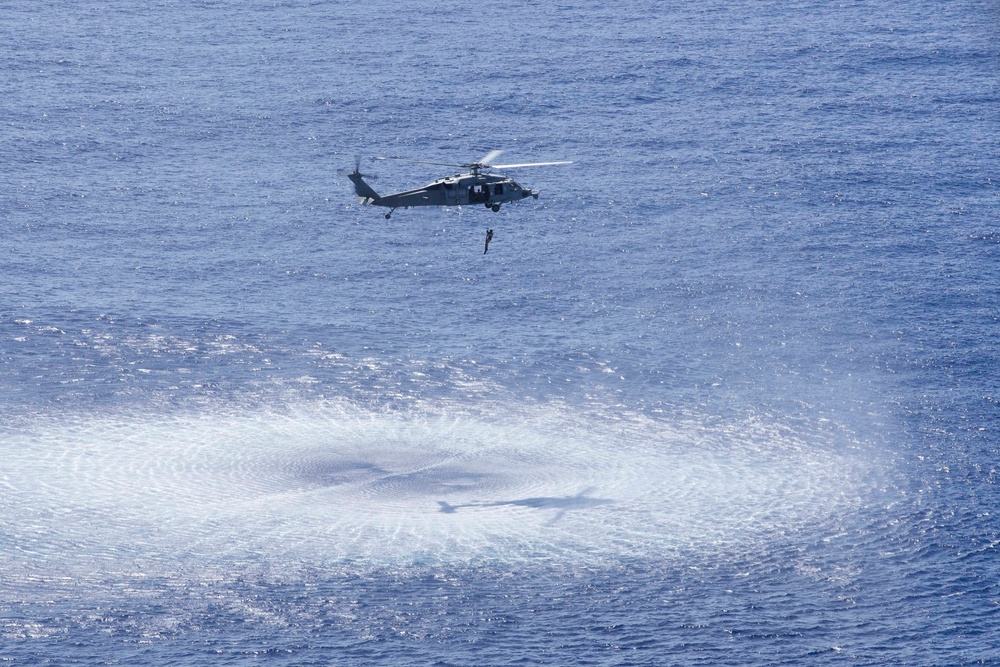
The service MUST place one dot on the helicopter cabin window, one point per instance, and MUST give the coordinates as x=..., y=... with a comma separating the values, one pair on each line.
x=481, y=194
x=498, y=189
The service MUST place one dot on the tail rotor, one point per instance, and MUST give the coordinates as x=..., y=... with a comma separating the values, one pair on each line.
x=357, y=170
x=365, y=193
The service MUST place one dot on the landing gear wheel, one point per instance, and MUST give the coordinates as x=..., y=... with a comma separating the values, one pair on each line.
x=496, y=208
x=487, y=205
x=388, y=215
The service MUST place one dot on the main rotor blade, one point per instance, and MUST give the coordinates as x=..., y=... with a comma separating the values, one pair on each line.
x=489, y=157
x=527, y=164
x=439, y=164
x=484, y=164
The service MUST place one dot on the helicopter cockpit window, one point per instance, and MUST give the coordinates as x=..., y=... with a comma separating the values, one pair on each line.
x=498, y=189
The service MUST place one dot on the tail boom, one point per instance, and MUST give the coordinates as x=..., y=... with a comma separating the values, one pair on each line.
x=364, y=191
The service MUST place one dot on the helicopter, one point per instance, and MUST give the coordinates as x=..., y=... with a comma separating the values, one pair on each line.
x=472, y=187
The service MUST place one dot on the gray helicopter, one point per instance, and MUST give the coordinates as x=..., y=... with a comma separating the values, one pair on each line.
x=473, y=187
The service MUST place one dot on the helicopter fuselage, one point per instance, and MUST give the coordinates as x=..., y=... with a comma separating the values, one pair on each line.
x=490, y=190
x=472, y=187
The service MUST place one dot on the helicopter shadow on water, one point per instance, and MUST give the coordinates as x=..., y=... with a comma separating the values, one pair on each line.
x=561, y=503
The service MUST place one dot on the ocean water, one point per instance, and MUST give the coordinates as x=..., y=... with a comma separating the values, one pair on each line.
x=725, y=394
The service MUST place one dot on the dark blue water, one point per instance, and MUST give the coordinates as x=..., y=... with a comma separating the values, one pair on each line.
x=725, y=394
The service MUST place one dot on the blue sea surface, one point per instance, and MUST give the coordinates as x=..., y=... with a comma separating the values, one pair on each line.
x=725, y=394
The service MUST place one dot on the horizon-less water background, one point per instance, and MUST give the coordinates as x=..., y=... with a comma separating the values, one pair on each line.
x=725, y=394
